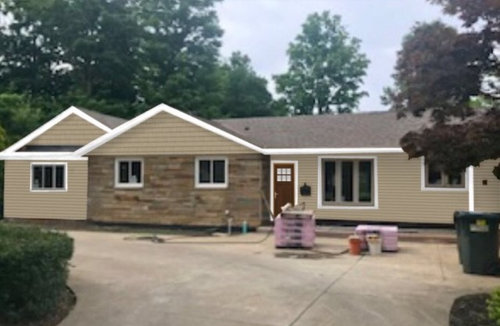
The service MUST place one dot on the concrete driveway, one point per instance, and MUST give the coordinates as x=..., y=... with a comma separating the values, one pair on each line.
x=130, y=282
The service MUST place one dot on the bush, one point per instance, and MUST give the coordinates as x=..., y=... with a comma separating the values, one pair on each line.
x=33, y=271
x=494, y=306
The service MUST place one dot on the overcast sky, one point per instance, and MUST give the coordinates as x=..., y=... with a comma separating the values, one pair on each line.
x=262, y=29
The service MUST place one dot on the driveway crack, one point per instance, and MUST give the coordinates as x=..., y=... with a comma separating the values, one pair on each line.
x=325, y=290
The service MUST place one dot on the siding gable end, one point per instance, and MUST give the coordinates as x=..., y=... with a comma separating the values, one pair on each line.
x=164, y=133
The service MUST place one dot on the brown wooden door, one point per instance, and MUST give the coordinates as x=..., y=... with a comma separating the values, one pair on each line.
x=283, y=186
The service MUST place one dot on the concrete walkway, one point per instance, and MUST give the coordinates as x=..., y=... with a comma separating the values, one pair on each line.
x=193, y=281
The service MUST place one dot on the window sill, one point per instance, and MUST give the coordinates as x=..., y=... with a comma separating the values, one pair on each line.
x=129, y=186
x=48, y=190
x=444, y=189
x=347, y=207
x=211, y=186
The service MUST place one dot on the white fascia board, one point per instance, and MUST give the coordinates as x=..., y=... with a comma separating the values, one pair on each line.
x=357, y=150
x=154, y=111
x=57, y=156
x=51, y=123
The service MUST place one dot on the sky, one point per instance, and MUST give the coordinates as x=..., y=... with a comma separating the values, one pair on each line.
x=262, y=29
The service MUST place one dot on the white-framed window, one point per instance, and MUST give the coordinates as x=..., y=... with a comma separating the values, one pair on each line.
x=49, y=177
x=129, y=172
x=434, y=178
x=346, y=182
x=211, y=172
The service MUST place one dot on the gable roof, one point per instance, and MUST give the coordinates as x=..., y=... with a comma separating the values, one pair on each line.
x=51, y=123
x=107, y=120
x=358, y=130
x=170, y=110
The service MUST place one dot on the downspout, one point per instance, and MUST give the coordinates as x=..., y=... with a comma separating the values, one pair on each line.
x=470, y=181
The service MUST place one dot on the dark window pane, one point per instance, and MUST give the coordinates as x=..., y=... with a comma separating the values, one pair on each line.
x=329, y=182
x=48, y=177
x=365, y=181
x=123, y=177
x=347, y=175
x=455, y=179
x=219, y=171
x=136, y=172
x=60, y=176
x=204, y=172
x=434, y=175
x=37, y=177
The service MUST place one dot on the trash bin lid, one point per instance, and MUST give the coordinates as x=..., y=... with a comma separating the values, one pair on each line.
x=475, y=215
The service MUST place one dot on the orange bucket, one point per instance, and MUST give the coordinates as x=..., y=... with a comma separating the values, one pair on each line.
x=354, y=245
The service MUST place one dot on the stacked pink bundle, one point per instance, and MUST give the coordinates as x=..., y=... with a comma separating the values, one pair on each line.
x=389, y=235
x=294, y=229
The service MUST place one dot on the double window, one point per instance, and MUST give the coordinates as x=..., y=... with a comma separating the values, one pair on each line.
x=211, y=172
x=48, y=176
x=347, y=182
x=129, y=173
x=437, y=178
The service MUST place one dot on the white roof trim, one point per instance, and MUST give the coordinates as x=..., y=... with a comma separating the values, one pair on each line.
x=51, y=123
x=65, y=156
x=348, y=150
x=154, y=111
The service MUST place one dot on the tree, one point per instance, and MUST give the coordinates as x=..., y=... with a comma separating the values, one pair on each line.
x=245, y=93
x=17, y=118
x=454, y=77
x=179, y=54
x=326, y=68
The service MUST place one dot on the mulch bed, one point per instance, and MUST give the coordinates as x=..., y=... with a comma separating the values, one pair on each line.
x=470, y=310
x=68, y=301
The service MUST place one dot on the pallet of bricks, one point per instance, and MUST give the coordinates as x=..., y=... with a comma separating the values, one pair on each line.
x=294, y=229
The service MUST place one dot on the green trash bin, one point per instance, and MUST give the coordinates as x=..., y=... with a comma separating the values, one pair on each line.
x=477, y=241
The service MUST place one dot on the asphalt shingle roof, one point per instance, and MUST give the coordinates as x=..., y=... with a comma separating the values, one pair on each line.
x=107, y=120
x=373, y=129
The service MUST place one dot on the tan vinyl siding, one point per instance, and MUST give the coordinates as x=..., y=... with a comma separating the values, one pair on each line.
x=167, y=134
x=487, y=197
x=70, y=131
x=400, y=198
x=20, y=202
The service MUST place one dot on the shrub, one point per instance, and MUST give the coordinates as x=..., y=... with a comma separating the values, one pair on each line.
x=33, y=271
x=494, y=306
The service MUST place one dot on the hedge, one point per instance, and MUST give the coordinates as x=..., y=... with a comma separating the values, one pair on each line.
x=33, y=271
x=494, y=306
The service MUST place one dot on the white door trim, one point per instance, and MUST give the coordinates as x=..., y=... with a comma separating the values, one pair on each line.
x=296, y=181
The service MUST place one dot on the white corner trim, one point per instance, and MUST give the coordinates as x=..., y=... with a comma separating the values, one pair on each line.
x=210, y=185
x=49, y=190
x=319, y=195
x=154, y=111
x=423, y=187
x=120, y=185
x=470, y=178
x=353, y=150
x=51, y=123
x=295, y=177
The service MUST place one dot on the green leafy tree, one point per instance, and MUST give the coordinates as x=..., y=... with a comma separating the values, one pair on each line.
x=179, y=54
x=326, y=68
x=453, y=76
x=17, y=118
x=245, y=93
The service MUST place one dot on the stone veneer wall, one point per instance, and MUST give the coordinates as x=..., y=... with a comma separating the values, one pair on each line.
x=169, y=196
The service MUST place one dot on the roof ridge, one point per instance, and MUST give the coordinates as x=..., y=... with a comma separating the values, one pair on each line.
x=309, y=116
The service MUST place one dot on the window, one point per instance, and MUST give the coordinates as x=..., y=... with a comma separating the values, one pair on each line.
x=48, y=177
x=347, y=182
x=129, y=173
x=437, y=178
x=211, y=172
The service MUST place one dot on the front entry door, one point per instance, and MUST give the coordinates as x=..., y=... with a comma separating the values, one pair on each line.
x=283, y=186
